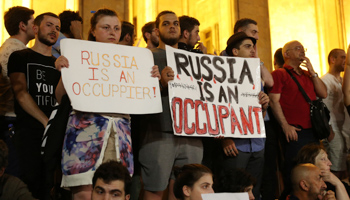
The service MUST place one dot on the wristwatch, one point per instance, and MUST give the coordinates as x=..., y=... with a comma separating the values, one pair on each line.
x=314, y=75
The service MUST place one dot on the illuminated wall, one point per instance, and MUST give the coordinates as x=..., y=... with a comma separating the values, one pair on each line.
x=220, y=13
x=320, y=25
x=89, y=6
x=39, y=6
x=217, y=19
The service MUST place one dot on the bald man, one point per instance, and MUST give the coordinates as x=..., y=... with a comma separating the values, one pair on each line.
x=288, y=104
x=307, y=184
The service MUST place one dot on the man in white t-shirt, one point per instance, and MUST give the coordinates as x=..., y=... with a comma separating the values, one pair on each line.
x=339, y=117
x=19, y=23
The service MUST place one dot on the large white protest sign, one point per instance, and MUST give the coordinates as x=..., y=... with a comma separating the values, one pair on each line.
x=215, y=95
x=110, y=78
x=226, y=196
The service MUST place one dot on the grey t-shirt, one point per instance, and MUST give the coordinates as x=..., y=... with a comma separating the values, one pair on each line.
x=161, y=121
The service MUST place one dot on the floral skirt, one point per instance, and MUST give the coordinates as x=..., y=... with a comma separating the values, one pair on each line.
x=90, y=140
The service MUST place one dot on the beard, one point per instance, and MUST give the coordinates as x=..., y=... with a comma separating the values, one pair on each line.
x=169, y=41
x=154, y=41
x=44, y=40
x=189, y=39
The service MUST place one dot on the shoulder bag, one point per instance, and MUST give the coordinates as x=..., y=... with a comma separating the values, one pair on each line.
x=319, y=113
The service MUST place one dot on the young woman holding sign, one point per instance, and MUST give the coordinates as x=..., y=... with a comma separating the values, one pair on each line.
x=93, y=138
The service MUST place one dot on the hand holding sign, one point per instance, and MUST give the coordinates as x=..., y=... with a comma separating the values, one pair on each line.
x=229, y=147
x=167, y=75
x=155, y=72
x=264, y=100
x=61, y=62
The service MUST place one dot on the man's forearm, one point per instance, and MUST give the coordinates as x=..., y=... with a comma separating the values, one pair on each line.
x=320, y=87
x=28, y=105
x=60, y=91
x=266, y=76
x=278, y=113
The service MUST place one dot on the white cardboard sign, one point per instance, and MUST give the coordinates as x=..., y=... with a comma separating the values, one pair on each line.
x=214, y=96
x=110, y=78
x=226, y=196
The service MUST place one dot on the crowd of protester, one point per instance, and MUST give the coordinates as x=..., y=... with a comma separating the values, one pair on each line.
x=45, y=153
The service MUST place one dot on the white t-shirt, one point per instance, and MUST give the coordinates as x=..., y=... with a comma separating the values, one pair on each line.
x=334, y=101
x=9, y=46
x=6, y=49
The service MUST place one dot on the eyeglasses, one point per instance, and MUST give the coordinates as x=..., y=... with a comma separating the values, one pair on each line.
x=298, y=48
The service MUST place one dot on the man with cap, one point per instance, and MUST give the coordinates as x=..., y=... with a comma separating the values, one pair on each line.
x=244, y=153
x=250, y=28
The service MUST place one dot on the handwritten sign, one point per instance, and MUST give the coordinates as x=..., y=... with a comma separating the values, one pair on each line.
x=215, y=95
x=226, y=196
x=110, y=78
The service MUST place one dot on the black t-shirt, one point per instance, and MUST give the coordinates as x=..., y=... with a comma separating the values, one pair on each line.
x=42, y=79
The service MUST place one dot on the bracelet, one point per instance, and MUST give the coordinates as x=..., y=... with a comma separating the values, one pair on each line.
x=314, y=75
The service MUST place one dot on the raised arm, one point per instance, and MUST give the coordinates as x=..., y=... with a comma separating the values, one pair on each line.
x=60, y=91
x=340, y=190
x=266, y=75
x=320, y=87
x=346, y=81
x=166, y=75
x=19, y=85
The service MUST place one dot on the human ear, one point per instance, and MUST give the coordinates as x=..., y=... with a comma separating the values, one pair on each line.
x=332, y=59
x=304, y=185
x=235, y=51
x=127, y=37
x=186, y=190
x=127, y=197
x=148, y=36
x=93, y=32
x=22, y=26
x=186, y=34
x=157, y=31
x=36, y=29
x=286, y=55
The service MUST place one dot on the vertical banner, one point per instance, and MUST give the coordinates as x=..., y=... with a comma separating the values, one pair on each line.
x=110, y=78
x=214, y=96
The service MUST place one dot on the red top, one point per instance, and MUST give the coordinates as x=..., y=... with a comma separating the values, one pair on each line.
x=294, y=106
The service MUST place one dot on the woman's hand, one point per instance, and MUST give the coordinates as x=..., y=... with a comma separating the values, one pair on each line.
x=61, y=62
x=155, y=72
